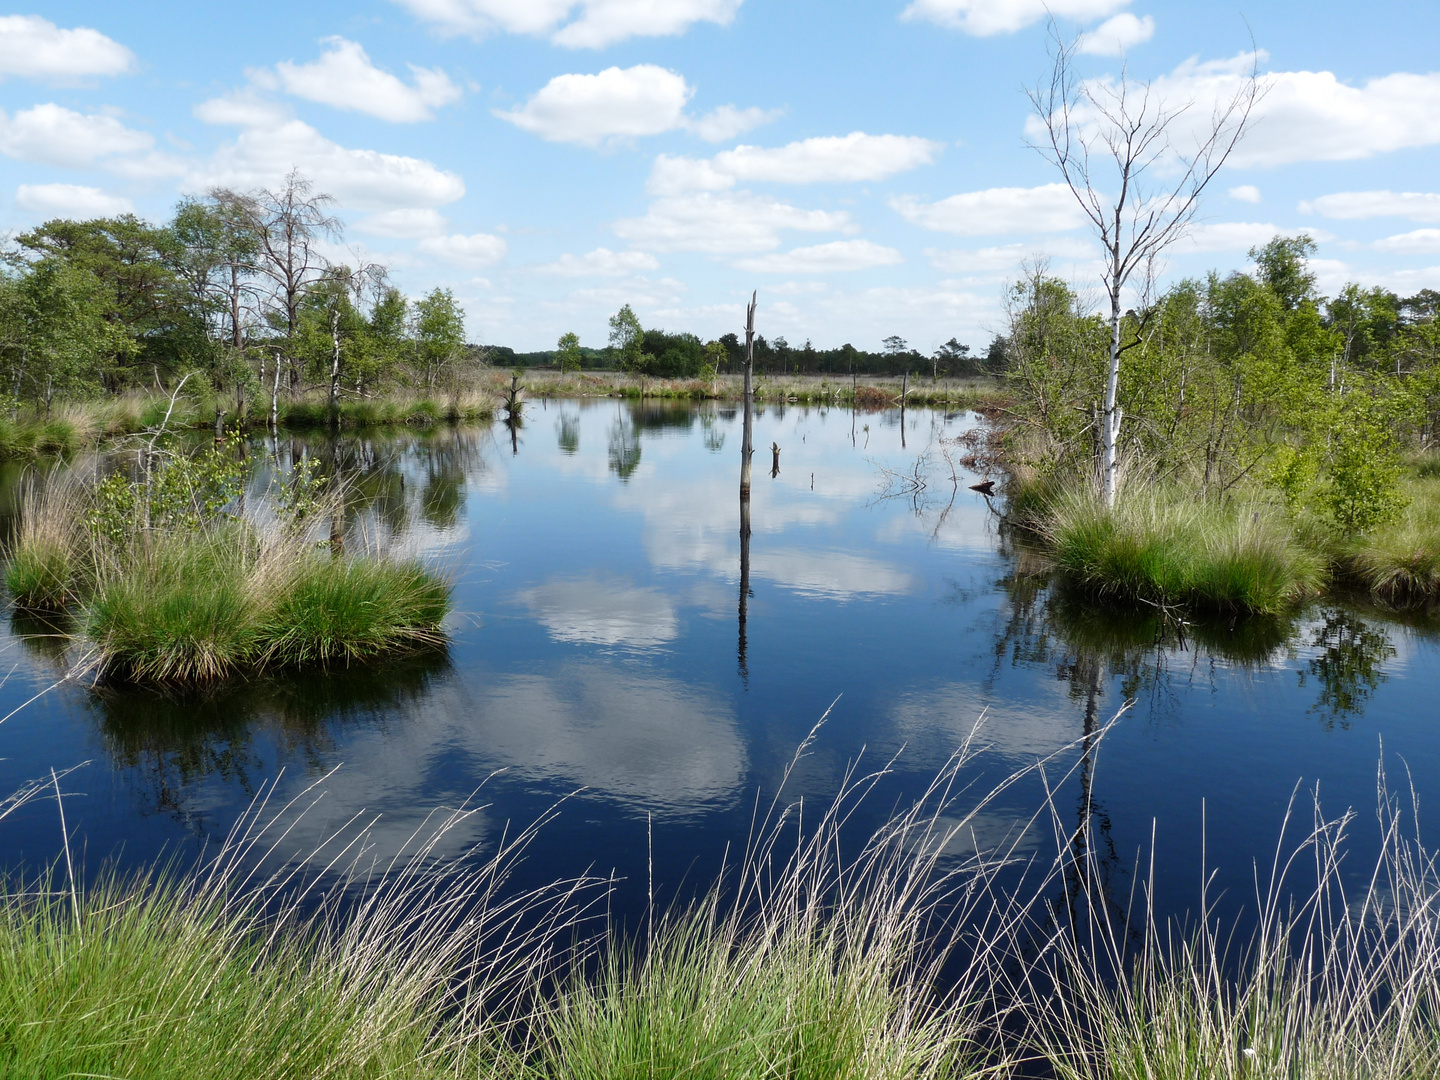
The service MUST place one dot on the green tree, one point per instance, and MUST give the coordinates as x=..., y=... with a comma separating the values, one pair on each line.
x=439, y=335
x=627, y=339
x=568, y=352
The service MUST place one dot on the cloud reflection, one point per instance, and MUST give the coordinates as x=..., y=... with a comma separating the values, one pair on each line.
x=603, y=611
x=650, y=742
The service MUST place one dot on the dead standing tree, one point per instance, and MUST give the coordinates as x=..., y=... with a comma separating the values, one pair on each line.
x=1100, y=132
x=288, y=224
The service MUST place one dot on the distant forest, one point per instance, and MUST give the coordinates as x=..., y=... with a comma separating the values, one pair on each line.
x=663, y=354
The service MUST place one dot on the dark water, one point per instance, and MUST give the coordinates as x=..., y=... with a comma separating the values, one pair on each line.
x=596, y=647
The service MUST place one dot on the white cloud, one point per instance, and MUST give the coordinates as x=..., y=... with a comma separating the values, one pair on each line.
x=243, y=108
x=345, y=78
x=1359, y=205
x=727, y=121
x=1047, y=208
x=404, y=224
x=1234, y=236
x=35, y=48
x=625, y=103
x=1115, y=35
x=362, y=179
x=1245, y=193
x=598, y=23
x=1007, y=258
x=602, y=262
x=841, y=158
x=616, y=103
x=1305, y=115
x=734, y=223
x=985, y=17
x=481, y=249
x=837, y=256
x=53, y=135
x=1419, y=242
x=70, y=201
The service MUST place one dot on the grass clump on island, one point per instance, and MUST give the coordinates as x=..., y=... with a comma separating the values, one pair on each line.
x=163, y=582
x=1156, y=547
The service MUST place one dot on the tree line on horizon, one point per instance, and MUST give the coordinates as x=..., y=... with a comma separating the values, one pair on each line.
x=664, y=354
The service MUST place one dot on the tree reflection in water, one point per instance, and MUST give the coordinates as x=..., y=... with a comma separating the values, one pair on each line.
x=1349, y=666
x=175, y=739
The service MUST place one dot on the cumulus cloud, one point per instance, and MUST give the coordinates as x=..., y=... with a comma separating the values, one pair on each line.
x=1304, y=115
x=70, y=201
x=727, y=121
x=1047, y=208
x=404, y=224
x=1419, y=242
x=53, y=135
x=1359, y=205
x=837, y=256
x=35, y=48
x=624, y=103
x=345, y=78
x=1234, y=236
x=732, y=223
x=1115, y=35
x=842, y=158
x=575, y=23
x=986, y=17
x=602, y=262
x=242, y=108
x=1245, y=193
x=1007, y=258
x=360, y=179
x=478, y=250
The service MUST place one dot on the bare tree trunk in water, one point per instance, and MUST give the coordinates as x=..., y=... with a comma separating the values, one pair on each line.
x=746, y=450
x=747, y=432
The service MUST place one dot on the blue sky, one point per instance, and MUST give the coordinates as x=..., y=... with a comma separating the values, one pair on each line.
x=863, y=165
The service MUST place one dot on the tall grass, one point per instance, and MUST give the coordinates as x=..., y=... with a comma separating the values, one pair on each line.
x=805, y=965
x=1156, y=546
x=1334, y=982
x=186, y=602
x=1399, y=561
x=911, y=958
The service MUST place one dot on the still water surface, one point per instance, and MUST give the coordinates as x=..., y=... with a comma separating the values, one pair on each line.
x=597, y=647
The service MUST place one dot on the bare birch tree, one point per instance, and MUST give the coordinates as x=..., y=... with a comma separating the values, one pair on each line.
x=1138, y=181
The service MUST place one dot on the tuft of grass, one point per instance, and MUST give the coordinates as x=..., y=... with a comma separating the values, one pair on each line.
x=1400, y=561
x=181, y=610
x=1156, y=547
x=344, y=611
x=44, y=568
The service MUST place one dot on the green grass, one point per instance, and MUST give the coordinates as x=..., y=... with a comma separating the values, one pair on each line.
x=188, y=604
x=1158, y=547
x=806, y=966
x=1399, y=561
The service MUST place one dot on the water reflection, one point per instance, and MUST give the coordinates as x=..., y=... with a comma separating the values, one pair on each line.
x=1349, y=666
x=170, y=741
x=624, y=447
x=651, y=743
x=603, y=610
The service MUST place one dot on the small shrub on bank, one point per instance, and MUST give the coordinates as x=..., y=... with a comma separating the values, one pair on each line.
x=1399, y=561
